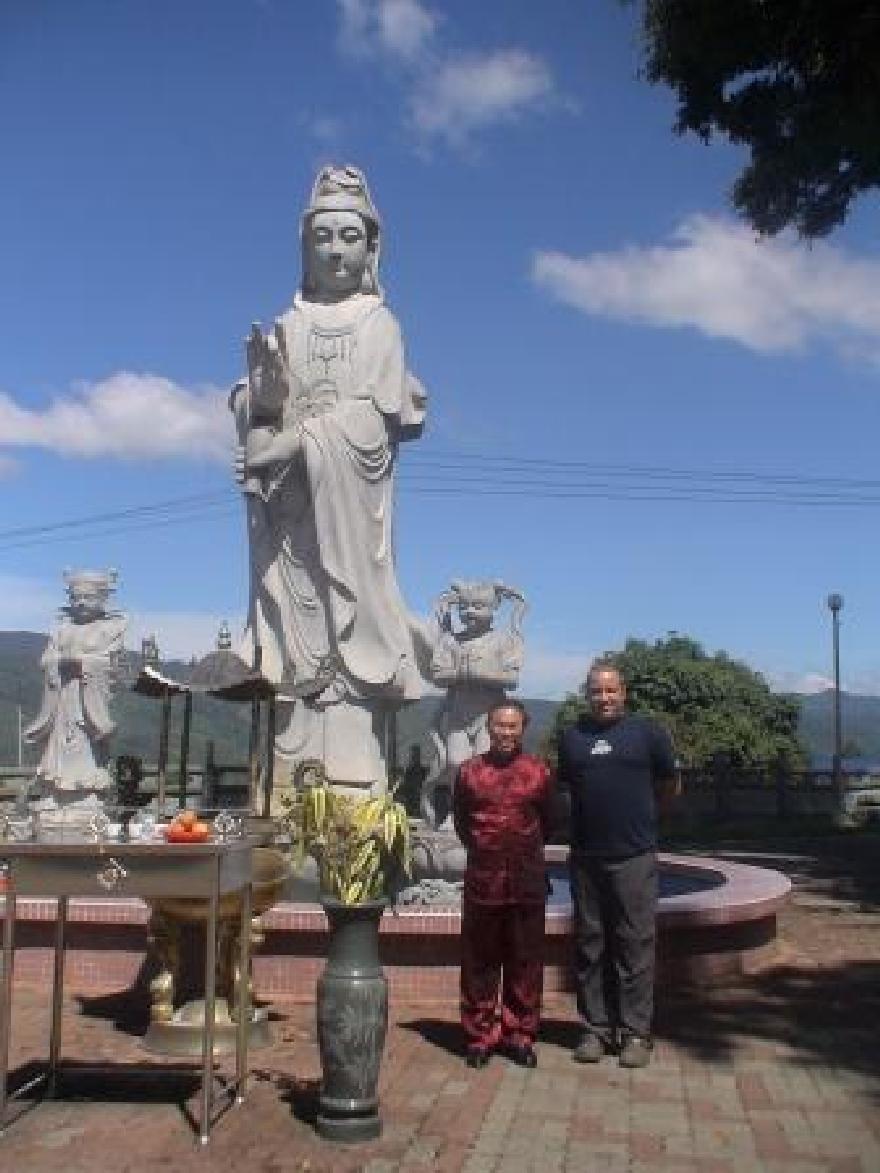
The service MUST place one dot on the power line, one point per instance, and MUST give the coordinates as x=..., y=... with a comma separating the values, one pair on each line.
x=553, y=492
x=481, y=474
x=178, y=518
x=659, y=492
x=112, y=515
x=647, y=470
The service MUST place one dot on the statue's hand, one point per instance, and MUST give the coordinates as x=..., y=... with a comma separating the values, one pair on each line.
x=247, y=478
x=268, y=370
x=261, y=449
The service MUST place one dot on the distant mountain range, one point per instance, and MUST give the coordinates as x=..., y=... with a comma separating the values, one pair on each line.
x=21, y=683
x=137, y=718
x=860, y=724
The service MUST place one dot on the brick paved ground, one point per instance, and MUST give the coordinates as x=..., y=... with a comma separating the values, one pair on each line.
x=781, y=1074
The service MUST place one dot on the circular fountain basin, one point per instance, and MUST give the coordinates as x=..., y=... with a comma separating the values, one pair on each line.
x=671, y=882
x=716, y=922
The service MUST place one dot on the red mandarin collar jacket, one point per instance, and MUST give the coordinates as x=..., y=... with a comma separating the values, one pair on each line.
x=502, y=813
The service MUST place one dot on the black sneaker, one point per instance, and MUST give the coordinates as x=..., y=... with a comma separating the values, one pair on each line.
x=523, y=1055
x=477, y=1057
x=635, y=1051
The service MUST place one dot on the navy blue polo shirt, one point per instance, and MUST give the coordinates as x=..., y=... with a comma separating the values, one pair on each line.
x=610, y=771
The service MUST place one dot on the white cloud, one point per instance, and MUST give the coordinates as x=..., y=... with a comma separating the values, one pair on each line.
x=405, y=27
x=864, y=682
x=399, y=28
x=803, y=682
x=469, y=93
x=770, y=295
x=354, y=25
x=451, y=95
x=126, y=415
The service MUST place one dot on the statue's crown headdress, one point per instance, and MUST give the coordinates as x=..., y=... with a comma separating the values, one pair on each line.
x=342, y=189
x=95, y=582
x=475, y=592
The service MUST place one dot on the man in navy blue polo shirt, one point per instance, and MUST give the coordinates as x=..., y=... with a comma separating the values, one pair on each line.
x=618, y=768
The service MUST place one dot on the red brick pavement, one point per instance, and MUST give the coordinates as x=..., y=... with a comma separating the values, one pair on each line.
x=780, y=1075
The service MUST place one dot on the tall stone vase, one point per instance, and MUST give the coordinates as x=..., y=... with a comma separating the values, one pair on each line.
x=352, y=1022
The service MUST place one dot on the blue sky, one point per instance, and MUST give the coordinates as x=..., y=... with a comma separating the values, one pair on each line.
x=571, y=285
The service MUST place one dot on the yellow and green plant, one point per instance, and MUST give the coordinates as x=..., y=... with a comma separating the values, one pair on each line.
x=359, y=844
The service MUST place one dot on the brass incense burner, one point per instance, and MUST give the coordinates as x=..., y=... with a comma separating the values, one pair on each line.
x=179, y=1031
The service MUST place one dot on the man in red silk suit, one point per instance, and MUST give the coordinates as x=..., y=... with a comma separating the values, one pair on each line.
x=501, y=810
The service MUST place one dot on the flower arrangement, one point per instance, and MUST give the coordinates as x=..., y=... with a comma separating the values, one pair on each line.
x=360, y=845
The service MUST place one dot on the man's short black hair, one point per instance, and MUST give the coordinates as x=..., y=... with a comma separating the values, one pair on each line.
x=509, y=704
x=604, y=664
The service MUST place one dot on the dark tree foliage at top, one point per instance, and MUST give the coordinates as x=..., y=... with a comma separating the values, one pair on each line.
x=712, y=704
x=795, y=81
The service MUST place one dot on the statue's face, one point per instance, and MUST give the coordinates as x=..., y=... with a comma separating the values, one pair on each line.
x=339, y=251
x=476, y=616
x=84, y=604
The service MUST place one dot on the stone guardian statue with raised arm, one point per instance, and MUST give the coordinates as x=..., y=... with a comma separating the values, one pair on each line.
x=326, y=403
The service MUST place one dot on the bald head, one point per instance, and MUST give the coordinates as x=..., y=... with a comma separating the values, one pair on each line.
x=606, y=691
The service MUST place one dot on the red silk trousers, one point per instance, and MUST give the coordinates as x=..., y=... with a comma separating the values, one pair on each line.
x=501, y=945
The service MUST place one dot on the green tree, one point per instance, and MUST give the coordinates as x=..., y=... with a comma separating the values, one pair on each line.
x=795, y=81
x=710, y=704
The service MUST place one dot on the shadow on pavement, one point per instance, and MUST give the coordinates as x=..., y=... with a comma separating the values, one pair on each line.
x=126, y=1082
x=437, y=1032
x=827, y=1016
x=128, y=1010
x=301, y=1094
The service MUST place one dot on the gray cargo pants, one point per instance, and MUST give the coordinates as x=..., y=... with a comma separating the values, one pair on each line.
x=615, y=908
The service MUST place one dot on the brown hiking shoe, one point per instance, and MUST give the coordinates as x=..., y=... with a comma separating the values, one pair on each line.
x=635, y=1052
x=590, y=1049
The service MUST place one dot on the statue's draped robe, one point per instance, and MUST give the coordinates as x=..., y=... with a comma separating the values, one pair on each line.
x=323, y=580
x=74, y=722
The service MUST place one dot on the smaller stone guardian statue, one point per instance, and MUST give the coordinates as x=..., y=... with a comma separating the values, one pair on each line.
x=81, y=663
x=477, y=665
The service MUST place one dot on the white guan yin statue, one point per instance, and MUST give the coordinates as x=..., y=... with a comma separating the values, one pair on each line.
x=327, y=401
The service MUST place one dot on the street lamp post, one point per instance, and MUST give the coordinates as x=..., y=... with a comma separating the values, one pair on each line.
x=835, y=603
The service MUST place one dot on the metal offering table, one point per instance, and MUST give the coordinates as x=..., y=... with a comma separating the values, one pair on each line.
x=61, y=870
